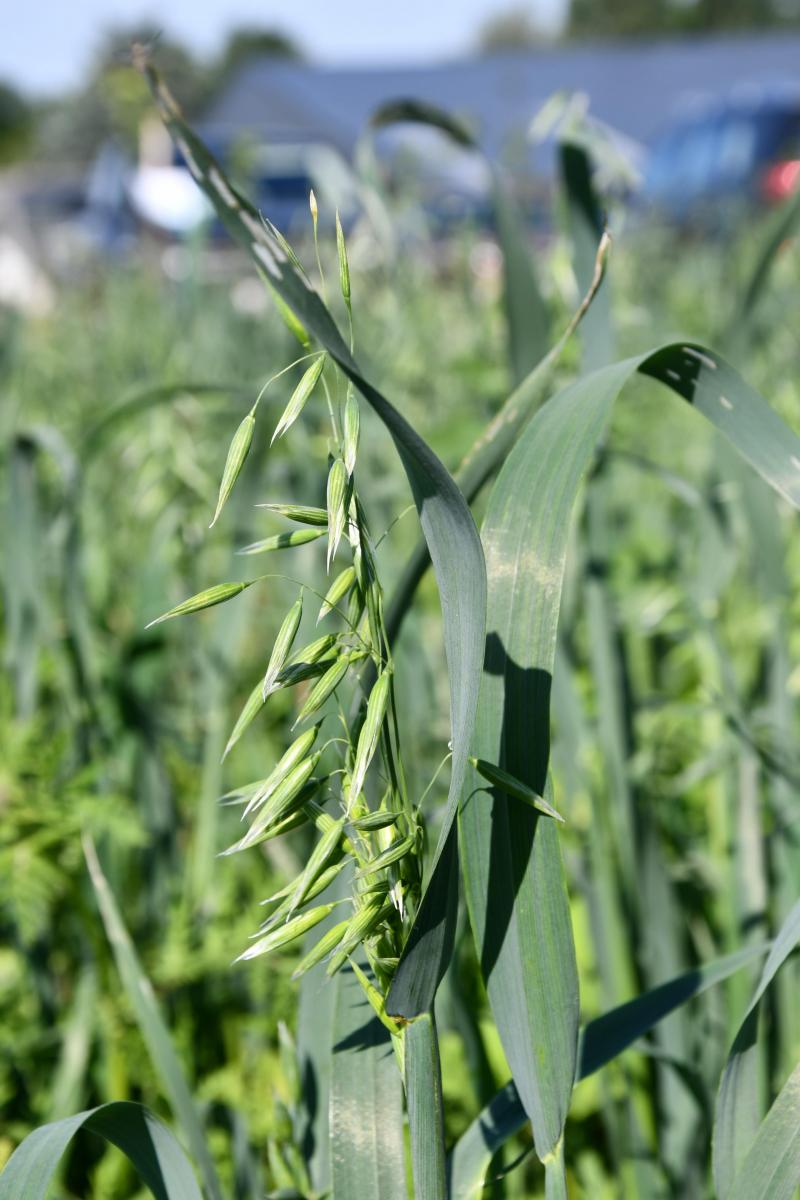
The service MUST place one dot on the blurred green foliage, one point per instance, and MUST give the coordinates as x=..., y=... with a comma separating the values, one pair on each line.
x=116, y=732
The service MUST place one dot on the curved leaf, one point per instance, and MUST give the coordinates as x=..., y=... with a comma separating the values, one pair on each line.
x=601, y=1041
x=153, y=1151
x=585, y=225
x=737, y=1113
x=151, y=1024
x=771, y=1168
x=514, y=882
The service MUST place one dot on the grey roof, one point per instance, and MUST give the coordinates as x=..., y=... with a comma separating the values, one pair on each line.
x=638, y=87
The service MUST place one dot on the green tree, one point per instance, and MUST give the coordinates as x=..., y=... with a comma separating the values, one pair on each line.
x=510, y=30
x=250, y=42
x=114, y=99
x=16, y=123
x=634, y=18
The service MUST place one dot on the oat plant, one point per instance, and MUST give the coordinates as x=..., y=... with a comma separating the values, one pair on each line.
x=376, y=900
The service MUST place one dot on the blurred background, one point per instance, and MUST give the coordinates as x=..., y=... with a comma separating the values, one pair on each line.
x=134, y=337
x=699, y=101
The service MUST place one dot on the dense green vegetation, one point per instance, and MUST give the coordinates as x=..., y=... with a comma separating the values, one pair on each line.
x=673, y=701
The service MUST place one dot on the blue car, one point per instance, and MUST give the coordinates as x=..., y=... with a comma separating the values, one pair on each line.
x=726, y=159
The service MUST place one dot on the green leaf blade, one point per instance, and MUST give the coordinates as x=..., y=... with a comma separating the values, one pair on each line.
x=366, y=1102
x=151, y=1148
x=601, y=1041
x=151, y=1024
x=771, y=1168
x=423, y=1080
x=737, y=1113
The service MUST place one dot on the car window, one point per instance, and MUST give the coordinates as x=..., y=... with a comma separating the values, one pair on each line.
x=722, y=152
x=736, y=149
x=788, y=148
x=285, y=185
x=696, y=157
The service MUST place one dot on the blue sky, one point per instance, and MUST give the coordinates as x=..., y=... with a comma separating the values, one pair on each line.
x=46, y=44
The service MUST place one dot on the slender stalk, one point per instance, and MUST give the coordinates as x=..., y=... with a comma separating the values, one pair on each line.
x=489, y=451
x=425, y=1108
x=555, y=1176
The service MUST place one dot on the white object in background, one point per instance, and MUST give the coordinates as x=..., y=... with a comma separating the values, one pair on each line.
x=23, y=286
x=168, y=198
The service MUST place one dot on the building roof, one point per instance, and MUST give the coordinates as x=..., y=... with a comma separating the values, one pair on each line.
x=638, y=87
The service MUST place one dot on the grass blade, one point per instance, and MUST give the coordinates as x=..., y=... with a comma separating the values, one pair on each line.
x=22, y=584
x=151, y=1024
x=602, y=1040
x=526, y=313
x=520, y=939
x=314, y=1060
x=151, y=1148
x=423, y=1078
x=79, y=1033
x=737, y=1113
x=366, y=1102
x=585, y=223
x=771, y=1168
x=142, y=400
x=514, y=881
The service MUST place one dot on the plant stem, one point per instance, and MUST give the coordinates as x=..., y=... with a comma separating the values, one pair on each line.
x=425, y=1109
x=555, y=1177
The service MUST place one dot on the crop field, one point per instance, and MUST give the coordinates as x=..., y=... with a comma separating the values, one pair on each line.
x=370, y=835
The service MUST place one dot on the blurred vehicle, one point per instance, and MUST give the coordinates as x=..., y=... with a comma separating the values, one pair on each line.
x=429, y=176
x=168, y=199
x=280, y=177
x=277, y=179
x=726, y=159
